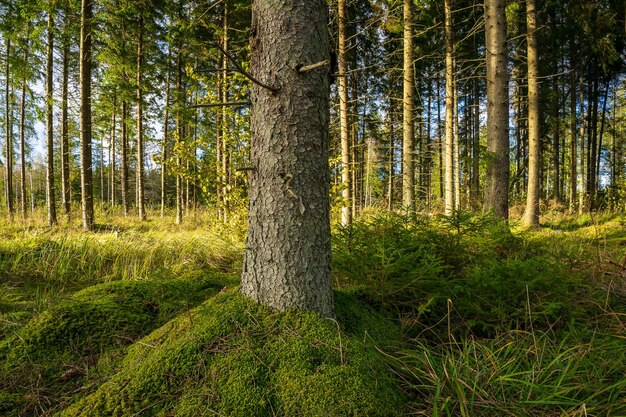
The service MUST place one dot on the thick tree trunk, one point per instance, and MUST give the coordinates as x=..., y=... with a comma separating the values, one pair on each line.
x=287, y=259
x=140, y=145
x=408, y=143
x=50, y=194
x=85, y=114
x=497, y=178
x=8, y=133
x=65, y=137
x=531, y=215
x=346, y=186
x=449, y=148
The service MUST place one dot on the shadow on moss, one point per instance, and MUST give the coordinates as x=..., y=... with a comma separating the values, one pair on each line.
x=232, y=357
x=63, y=351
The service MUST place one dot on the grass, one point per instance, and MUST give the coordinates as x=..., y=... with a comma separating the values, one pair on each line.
x=444, y=316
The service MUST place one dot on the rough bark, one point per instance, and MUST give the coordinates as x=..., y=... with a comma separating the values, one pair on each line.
x=50, y=194
x=346, y=186
x=287, y=259
x=497, y=178
x=531, y=215
x=112, y=147
x=85, y=114
x=408, y=143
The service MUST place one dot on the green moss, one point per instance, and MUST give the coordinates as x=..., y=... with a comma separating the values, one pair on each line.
x=232, y=357
x=59, y=350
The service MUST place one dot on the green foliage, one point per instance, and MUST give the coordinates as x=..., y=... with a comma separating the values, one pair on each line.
x=516, y=374
x=458, y=274
x=232, y=357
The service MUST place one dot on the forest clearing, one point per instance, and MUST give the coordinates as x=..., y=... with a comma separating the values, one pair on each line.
x=313, y=208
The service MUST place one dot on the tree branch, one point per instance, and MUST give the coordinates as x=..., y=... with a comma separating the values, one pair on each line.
x=244, y=72
x=228, y=103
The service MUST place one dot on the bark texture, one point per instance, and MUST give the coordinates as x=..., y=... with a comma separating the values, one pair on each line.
x=408, y=144
x=531, y=215
x=85, y=114
x=449, y=157
x=287, y=259
x=65, y=137
x=52, y=212
x=346, y=209
x=497, y=179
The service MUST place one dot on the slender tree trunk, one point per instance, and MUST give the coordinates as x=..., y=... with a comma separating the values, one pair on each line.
x=289, y=188
x=346, y=186
x=124, y=163
x=476, y=150
x=449, y=181
x=456, y=151
x=582, y=196
x=225, y=120
x=113, y=132
x=140, y=144
x=392, y=150
x=65, y=140
x=179, y=138
x=408, y=143
x=23, y=141
x=9, y=133
x=440, y=141
x=531, y=216
x=166, y=122
x=85, y=114
x=102, y=196
x=572, y=132
x=50, y=194
x=599, y=153
x=497, y=179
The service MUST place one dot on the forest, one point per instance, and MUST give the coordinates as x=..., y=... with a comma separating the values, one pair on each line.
x=313, y=208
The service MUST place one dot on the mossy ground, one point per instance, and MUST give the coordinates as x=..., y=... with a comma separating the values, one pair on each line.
x=445, y=316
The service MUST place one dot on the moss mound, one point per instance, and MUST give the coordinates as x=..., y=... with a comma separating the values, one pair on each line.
x=232, y=357
x=62, y=349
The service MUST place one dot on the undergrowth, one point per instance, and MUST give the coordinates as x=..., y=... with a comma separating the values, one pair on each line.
x=443, y=316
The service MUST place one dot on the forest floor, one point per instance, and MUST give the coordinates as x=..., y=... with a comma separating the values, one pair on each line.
x=435, y=317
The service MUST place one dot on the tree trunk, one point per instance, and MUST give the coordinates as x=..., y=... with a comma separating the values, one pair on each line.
x=23, y=141
x=497, y=178
x=455, y=146
x=225, y=125
x=65, y=137
x=346, y=186
x=449, y=148
x=582, y=196
x=166, y=121
x=287, y=258
x=52, y=213
x=531, y=216
x=408, y=143
x=124, y=163
x=179, y=137
x=113, y=132
x=9, y=134
x=572, y=132
x=85, y=114
x=140, y=144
